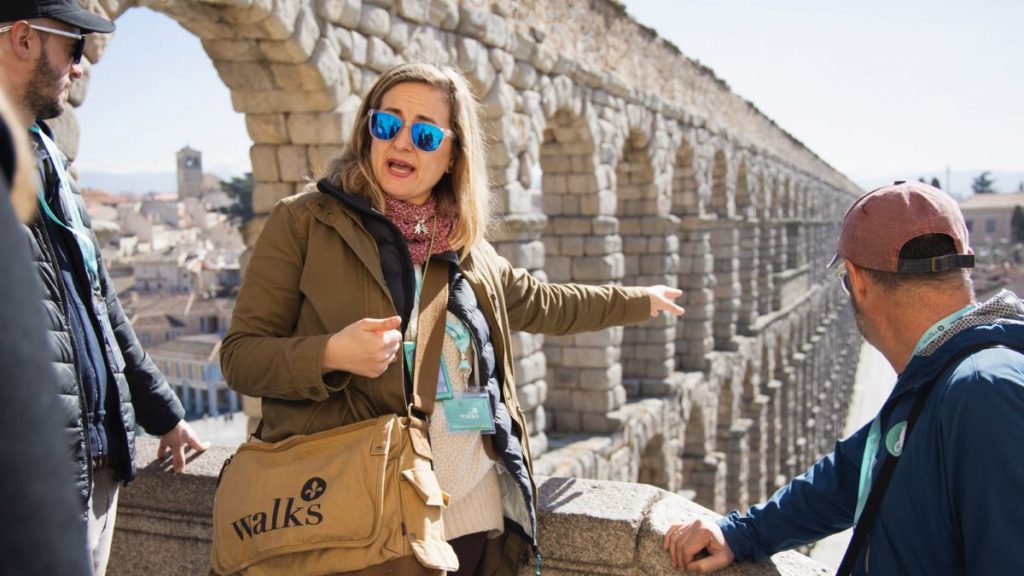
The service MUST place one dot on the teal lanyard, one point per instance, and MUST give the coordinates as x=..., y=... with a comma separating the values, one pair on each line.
x=66, y=198
x=455, y=329
x=868, y=460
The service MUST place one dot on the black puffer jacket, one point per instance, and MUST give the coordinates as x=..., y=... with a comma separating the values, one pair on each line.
x=140, y=389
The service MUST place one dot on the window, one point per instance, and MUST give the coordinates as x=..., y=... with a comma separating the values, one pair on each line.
x=990, y=225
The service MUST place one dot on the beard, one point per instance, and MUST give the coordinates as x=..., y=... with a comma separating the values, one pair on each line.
x=43, y=94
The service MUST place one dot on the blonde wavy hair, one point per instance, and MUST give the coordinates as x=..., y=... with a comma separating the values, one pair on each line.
x=464, y=191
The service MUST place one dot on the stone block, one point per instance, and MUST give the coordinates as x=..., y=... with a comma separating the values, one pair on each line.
x=231, y=50
x=444, y=14
x=600, y=378
x=379, y=55
x=398, y=35
x=266, y=194
x=581, y=357
x=245, y=75
x=601, y=245
x=321, y=156
x=264, y=163
x=599, y=338
x=374, y=21
x=414, y=10
x=598, y=268
x=343, y=12
x=293, y=163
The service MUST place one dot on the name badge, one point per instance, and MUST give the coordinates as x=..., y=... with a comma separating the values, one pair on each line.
x=469, y=412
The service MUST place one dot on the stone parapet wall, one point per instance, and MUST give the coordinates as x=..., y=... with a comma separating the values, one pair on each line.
x=613, y=159
x=585, y=526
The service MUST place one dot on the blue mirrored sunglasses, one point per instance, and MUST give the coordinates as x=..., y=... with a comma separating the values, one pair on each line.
x=425, y=136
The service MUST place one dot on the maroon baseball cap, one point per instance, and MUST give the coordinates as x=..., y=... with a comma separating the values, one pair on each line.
x=880, y=222
x=67, y=11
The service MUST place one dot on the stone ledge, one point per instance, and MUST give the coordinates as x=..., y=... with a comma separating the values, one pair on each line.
x=586, y=526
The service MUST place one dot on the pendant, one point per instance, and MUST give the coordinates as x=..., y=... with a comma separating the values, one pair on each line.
x=421, y=227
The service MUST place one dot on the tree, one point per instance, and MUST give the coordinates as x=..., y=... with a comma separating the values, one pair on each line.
x=1017, y=225
x=239, y=188
x=982, y=184
x=935, y=183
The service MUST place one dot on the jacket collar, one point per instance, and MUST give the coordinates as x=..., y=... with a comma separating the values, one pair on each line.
x=999, y=321
x=341, y=211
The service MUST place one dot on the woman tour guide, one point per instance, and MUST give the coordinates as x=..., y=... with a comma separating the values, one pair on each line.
x=330, y=296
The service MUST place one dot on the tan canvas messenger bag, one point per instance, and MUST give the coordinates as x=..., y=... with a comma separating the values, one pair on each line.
x=346, y=499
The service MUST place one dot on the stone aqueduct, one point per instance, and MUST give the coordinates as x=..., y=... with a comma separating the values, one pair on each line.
x=646, y=169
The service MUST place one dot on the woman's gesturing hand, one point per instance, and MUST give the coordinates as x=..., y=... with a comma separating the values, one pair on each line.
x=365, y=348
x=662, y=298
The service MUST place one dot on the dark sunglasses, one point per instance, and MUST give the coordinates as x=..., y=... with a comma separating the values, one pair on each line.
x=79, y=47
x=844, y=279
x=425, y=136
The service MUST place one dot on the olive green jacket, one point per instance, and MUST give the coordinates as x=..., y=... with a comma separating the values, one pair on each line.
x=315, y=269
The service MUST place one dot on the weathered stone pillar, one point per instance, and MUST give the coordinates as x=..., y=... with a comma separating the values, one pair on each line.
x=694, y=332
x=725, y=247
x=765, y=266
x=650, y=249
x=779, y=261
x=517, y=238
x=584, y=370
x=748, y=271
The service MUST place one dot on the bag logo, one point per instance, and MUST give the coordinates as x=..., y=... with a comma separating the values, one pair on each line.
x=313, y=488
x=284, y=514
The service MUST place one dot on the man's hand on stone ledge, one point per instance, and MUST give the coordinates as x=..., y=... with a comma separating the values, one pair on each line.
x=662, y=299
x=685, y=541
x=175, y=442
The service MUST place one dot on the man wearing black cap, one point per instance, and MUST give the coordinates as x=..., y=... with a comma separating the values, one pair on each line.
x=933, y=484
x=106, y=382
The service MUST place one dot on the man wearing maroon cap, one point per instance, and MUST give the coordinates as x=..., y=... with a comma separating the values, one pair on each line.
x=106, y=383
x=946, y=499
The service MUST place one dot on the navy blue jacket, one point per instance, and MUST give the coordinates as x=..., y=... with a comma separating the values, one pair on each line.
x=953, y=505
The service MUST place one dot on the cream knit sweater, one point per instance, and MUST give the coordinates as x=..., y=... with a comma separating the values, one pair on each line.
x=463, y=469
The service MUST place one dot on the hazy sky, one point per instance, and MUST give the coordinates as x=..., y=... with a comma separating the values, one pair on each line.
x=877, y=88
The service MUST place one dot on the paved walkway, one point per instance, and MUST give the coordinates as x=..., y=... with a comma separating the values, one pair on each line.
x=875, y=379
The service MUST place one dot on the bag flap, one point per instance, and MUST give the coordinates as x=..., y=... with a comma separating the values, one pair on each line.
x=425, y=482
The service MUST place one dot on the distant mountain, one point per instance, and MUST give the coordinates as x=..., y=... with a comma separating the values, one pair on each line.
x=160, y=182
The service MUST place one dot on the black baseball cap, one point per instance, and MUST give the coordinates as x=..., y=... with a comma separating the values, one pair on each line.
x=66, y=11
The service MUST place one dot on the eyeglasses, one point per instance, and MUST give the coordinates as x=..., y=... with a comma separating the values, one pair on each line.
x=425, y=136
x=844, y=279
x=79, y=47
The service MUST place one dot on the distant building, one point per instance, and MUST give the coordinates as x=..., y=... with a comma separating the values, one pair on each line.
x=190, y=173
x=988, y=216
x=157, y=318
x=192, y=367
